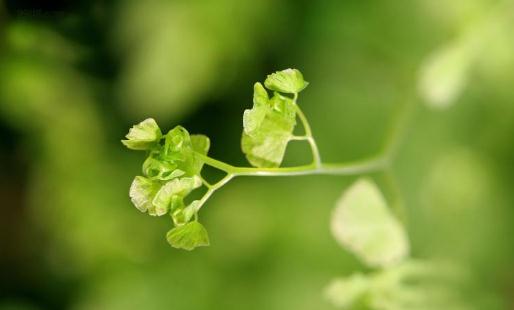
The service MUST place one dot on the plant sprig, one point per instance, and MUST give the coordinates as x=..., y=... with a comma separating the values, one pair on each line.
x=172, y=169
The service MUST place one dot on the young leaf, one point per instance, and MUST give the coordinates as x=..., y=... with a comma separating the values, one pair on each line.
x=253, y=118
x=184, y=215
x=200, y=144
x=363, y=223
x=179, y=187
x=288, y=81
x=160, y=169
x=177, y=143
x=142, y=192
x=268, y=126
x=188, y=236
x=143, y=135
x=179, y=148
x=260, y=95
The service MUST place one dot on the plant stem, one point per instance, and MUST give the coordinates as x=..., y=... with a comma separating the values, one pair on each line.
x=308, y=134
x=212, y=188
x=349, y=168
x=316, y=167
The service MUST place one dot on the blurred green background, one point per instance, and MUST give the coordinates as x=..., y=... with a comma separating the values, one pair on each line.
x=75, y=75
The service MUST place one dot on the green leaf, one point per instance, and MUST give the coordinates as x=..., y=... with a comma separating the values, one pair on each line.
x=444, y=75
x=160, y=169
x=200, y=144
x=143, y=135
x=177, y=143
x=180, y=147
x=142, y=192
x=260, y=95
x=268, y=127
x=184, y=215
x=363, y=223
x=253, y=118
x=179, y=187
x=188, y=236
x=286, y=81
x=347, y=292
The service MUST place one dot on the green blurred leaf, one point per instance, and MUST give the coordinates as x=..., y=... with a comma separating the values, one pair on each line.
x=411, y=285
x=444, y=74
x=346, y=292
x=363, y=223
x=188, y=236
x=268, y=127
x=143, y=135
x=286, y=81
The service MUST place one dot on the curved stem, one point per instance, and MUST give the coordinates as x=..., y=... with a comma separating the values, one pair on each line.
x=308, y=133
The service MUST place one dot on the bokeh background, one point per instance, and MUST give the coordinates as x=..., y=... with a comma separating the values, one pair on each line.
x=75, y=75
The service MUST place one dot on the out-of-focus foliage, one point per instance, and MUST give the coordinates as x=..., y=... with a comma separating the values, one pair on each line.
x=363, y=223
x=174, y=53
x=74, y=76
x=481, y=45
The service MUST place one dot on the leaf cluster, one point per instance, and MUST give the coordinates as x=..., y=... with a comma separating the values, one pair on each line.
x=171, y=171
x=269, y=124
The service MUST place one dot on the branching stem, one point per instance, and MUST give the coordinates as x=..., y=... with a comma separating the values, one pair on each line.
x=348, y=168
x=317, y=167
x=212, y=188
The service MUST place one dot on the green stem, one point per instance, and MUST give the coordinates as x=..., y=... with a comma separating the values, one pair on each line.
x=308, y=134
x=317, y=167
x=298, y=138
x=349, y=168
x=213, y=188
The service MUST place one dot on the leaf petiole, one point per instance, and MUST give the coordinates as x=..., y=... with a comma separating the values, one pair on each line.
x=308, y=133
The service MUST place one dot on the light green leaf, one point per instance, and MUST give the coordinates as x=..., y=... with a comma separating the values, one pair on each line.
x=260, y=95
x=200, y=144
x=180, y=187
x=143, y=135
x=253, y=118
x=160, y=169
x=346, y=292
x=444, y=75
x=184, y=215
x=268, y=128
x=188, y=236
x=286, y=81
x=142, y=192
x=179, y=148
x=177, y=141
x=363, y=223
